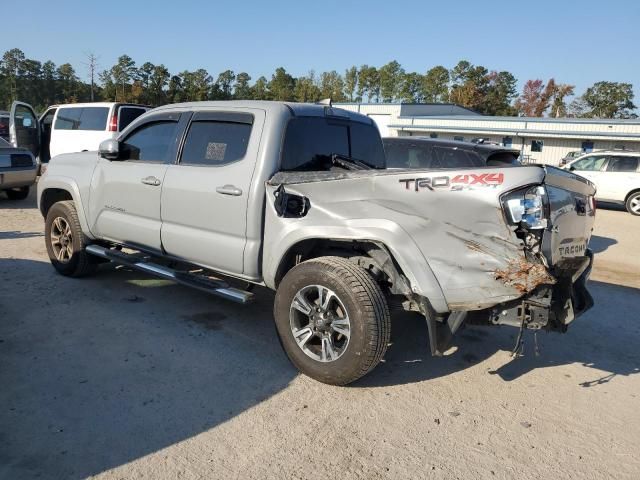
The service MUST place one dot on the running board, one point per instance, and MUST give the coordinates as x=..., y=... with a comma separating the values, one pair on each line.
x=215, y=287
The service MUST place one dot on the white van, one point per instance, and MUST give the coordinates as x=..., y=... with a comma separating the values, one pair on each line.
x=75, y=127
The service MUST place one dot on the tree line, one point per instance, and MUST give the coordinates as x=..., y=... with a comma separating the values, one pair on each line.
x=476, y=87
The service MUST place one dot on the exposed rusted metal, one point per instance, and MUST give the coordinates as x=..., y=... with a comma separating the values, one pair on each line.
x=524, y=276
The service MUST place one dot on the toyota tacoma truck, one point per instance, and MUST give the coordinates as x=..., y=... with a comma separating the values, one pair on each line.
x=296, y=198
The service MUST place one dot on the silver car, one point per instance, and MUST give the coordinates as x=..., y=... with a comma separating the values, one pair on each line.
x=18, y=170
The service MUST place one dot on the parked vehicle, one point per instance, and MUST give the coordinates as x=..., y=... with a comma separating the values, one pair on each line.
x=79, y=127
x=616, y=175
x=18, y=170
x=296, y=198
x=424, y=152
x=571, y=156
x=4, y=125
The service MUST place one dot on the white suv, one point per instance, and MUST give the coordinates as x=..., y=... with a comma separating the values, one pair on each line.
x=75, y=127
x=616, y=174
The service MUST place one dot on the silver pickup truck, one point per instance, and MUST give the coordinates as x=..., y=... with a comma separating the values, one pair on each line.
x=296, y=198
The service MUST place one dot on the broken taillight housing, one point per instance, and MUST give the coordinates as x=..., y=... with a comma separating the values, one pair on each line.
x=527, y=207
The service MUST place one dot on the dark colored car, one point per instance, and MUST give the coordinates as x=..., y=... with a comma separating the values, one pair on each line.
x=422, y=152
x=4, y=125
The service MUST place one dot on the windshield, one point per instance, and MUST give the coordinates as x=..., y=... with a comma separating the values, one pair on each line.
x=311, y=142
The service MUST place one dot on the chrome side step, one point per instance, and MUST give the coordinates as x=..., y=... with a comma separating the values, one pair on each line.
x=215, y=287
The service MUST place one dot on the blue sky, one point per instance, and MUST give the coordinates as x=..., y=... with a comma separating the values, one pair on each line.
x=577, y=42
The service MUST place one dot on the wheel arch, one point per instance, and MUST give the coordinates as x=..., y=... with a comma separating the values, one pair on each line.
x=374, y=255
x=53, y=190
x=632, y=192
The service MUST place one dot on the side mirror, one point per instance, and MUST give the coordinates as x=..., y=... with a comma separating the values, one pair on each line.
x=572, y=168
x=109, y=149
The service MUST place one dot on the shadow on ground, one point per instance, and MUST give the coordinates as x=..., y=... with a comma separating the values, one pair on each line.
x=599, y=244
x=605, y=338
x=29, y=202
x=98, y=372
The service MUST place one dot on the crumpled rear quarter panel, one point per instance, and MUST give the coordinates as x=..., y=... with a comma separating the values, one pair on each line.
x=458, y=233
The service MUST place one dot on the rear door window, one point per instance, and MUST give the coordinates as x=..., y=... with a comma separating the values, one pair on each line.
x=126, y=115
x=82, y=118
x=214, y=143
x=622, y=164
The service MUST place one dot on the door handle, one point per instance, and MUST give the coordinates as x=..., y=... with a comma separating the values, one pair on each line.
x=151, y=181
x=229, y=190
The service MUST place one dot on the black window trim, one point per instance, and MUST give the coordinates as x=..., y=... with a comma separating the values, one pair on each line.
x=178, y=117
x=220, y=117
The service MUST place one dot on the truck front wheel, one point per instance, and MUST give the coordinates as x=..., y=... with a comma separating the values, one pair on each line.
x=66, y=241
x=333, y=319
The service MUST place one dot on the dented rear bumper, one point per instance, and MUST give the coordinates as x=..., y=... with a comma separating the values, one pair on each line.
x=550, y=307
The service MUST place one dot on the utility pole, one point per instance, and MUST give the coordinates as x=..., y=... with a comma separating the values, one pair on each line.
x=92, y=65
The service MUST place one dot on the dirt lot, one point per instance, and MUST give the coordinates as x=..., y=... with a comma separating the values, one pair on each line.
x=123, y=376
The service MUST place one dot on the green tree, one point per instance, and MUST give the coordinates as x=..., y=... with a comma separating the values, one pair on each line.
x=241, y=87
x=281, y=85
x=332, y=86
x=158, y=81
x=10, y=68
x=501, y=90
x=122, y=73
x=68, y=84
x=259, y=91
x=31, y=83
x=559, y=106
x=48, y=83
x=391, y=76
x=609, y=100
x=369, y=83
x=351, y=84
x=175, y=91
x=435, y=85
x=224, y=84
x=411, y=87
x=306, y=89
x=470, y=84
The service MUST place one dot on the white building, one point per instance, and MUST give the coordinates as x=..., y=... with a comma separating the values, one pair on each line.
x=544, y=140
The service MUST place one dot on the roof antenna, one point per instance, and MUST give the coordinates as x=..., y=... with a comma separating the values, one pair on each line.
x=326, y=101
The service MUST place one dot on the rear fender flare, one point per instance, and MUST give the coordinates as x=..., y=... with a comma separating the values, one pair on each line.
x=386, y=233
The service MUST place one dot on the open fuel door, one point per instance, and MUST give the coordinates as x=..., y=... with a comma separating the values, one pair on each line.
x=24, y=129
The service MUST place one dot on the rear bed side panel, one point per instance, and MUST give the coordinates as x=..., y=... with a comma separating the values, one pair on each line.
x=448, y=224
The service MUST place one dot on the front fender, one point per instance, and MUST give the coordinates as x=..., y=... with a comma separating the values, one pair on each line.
x=67, y=184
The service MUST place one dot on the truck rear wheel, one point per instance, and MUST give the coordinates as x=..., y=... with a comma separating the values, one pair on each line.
x=332, y=319
x=66, y=241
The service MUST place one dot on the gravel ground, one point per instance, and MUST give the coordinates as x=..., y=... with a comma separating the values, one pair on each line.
x=124, y=376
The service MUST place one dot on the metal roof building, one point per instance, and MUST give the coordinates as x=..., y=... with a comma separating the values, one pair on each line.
x=545, y=140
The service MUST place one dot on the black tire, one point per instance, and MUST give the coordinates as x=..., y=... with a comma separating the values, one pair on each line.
x=80, y=262
x=18, y=193
x=632, y=201
x=366, y=307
